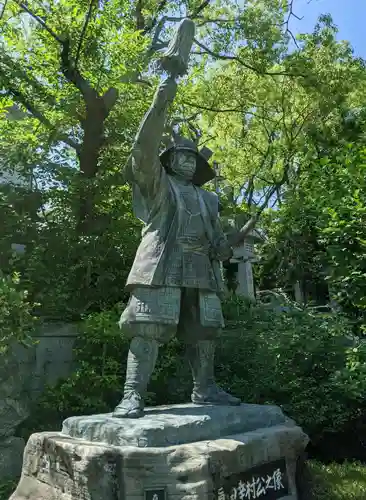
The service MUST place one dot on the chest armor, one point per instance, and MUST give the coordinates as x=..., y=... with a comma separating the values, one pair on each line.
x=188, y=264
x=192, y=230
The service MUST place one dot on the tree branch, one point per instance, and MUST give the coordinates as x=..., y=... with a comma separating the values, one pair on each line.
x=68, y=68
x=213, y=109
x=160, y=24
x=216, y=21
x=12, y=67
x=110, y=98
x=243, y=63
x=154, y=22
x=87, y=19
x=250, y=189
x=239, y=109
x=199, y=9
x=283, y=118
x=3, y=9
x=74, y=76
x=159, y=27
x=287, y=22
x=40, y=21
x=237, y=238
x=42, y=118
x=140, y=20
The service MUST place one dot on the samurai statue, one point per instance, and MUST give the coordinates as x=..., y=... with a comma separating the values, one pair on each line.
x=175, y=283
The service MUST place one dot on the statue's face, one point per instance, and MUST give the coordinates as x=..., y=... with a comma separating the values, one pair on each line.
x=184, y=164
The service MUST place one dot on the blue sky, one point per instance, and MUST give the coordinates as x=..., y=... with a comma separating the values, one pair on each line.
x=348, y=15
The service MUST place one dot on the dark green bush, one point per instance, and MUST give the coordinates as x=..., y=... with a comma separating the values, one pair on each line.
x=299, y=360
x=7, y=486
x=68, y=272
x=97, y=383
x=17, y=320
x=72, y=275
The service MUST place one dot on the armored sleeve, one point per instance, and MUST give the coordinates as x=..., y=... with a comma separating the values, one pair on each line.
x=145, y=168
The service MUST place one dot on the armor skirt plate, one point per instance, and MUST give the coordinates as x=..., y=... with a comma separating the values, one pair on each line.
x=166, y=311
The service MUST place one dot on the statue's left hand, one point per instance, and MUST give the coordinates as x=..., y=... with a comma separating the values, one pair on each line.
x=220, y=254
x=213, y=254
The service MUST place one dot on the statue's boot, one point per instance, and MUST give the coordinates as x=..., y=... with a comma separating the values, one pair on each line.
x=205, y=390
x=140, y=365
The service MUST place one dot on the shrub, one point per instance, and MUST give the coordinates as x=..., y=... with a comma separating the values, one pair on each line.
x=303, y=361
x=300, y=360
x=72, y=275
x=345, y=481
x=16, y=313
x=97, y=382
x=7, y=486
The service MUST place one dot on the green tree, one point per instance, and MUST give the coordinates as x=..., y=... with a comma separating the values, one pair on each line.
x=83, y=74
x=264, y=126
x=17, y=319
x=72, y=65
x=318, y=235
x=79, y=76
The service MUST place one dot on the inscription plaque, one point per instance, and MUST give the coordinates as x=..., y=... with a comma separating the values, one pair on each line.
x=156, y=494
x=268, y=482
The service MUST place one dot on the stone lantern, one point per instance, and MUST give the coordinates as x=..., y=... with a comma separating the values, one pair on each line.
x=239, y=273
x=243, y=259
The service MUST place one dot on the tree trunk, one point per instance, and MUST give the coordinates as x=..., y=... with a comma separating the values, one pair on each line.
x=89, y=156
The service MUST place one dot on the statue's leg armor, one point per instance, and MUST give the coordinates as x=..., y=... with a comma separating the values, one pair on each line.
x=141, y=361
x=201, y=356
x=200, y=351
x=140, y=366
x=143, y=322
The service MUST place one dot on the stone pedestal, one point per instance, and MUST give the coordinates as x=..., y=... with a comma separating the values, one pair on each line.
x=173, y=452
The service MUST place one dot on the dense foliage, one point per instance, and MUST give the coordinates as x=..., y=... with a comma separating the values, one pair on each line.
x=345, y=481
x=76, y=78
x=17, y=319
x=7, y=486
x=304, y=362
x=318, y=236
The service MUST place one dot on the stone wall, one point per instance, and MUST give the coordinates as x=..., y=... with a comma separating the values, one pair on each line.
x=53, y=355
x=24, y=372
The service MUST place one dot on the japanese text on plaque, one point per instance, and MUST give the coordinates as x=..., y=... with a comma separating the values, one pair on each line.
x=257, y=487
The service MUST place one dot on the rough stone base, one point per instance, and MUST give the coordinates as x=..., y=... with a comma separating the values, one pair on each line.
x=11, y=457
x=174, y=424
x=61, y=467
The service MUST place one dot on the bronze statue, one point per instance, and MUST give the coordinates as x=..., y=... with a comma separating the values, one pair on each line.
x=175, y=281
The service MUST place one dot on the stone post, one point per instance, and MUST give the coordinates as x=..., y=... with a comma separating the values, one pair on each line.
x=245, y=280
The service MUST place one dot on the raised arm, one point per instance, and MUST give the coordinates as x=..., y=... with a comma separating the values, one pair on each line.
x=145, y=163
x=144, y=168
